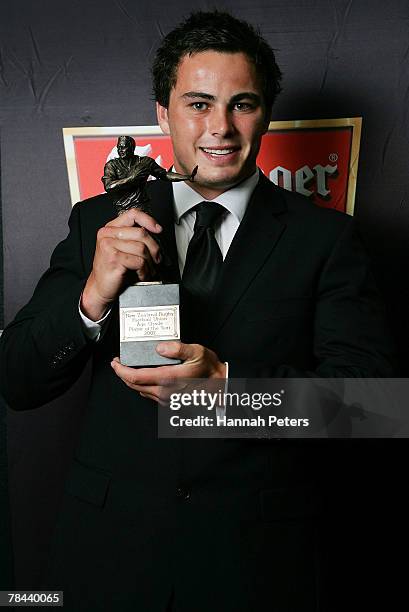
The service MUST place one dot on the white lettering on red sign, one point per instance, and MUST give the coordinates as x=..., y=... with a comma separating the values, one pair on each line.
x=304, y=176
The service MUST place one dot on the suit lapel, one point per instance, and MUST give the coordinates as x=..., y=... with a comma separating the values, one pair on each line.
x=256, y=237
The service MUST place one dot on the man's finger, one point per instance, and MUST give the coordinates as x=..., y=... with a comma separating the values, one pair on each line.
x=162, y=402
x=159, y=393
x=126, y=236
x=135, y=216
x=129, y=247
x=177, y=350
x=144, y=376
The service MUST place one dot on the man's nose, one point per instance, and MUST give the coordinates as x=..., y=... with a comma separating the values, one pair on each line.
x=220, y=122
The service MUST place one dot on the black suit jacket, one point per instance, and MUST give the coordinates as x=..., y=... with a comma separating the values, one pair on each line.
x=226, y=524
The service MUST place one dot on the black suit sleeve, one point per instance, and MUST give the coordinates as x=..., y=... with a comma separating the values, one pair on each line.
x=350, y=336
x=44, y=350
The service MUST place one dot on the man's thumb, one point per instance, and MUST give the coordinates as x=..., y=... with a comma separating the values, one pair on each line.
x=176, y=350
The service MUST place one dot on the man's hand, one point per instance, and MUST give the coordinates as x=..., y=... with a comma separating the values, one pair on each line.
x=120, y=247
x=158, y=383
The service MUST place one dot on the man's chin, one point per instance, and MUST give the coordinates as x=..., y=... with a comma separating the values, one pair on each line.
x=220, y=181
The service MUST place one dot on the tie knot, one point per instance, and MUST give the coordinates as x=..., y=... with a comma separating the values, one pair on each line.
x=207, y=213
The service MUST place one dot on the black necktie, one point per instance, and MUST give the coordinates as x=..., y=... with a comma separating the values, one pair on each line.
x=203, y=258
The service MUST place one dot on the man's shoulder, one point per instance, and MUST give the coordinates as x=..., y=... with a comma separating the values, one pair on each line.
x=302, y=210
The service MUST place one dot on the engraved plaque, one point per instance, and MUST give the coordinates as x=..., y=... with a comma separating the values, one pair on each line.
x=149, y=323
x=148, y=314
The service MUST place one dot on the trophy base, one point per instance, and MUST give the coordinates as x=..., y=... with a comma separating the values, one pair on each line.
x=148, y=314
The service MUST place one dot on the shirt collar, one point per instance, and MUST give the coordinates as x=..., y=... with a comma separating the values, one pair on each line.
x=235, y=200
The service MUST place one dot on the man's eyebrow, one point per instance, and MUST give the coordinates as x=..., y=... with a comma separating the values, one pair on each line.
x=246, y=95
x=198, y=94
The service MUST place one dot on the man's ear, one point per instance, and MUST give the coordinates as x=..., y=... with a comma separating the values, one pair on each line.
x=162, y=115
x=267, y=120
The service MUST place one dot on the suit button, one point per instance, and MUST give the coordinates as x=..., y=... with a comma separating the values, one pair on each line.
x=183, y=493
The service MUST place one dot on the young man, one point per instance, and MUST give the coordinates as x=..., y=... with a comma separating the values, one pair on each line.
x=284, y=289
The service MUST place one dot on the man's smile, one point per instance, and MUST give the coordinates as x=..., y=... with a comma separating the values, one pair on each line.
x=224, y=154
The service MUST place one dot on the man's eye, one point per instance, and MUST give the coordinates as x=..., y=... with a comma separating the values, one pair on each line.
x=243, y=106
x=199, y=105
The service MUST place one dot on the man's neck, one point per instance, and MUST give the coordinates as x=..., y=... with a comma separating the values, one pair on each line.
x=211, y=193
x=235, y=199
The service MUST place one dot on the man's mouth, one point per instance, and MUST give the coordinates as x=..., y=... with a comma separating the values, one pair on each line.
x=219, y=150
x=221, y=156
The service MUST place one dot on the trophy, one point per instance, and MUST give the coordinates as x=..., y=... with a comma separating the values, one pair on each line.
x=148, y=311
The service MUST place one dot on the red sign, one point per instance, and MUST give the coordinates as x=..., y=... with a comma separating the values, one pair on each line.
x=316, y=158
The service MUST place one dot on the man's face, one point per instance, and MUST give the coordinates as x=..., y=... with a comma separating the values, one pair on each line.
x=216, y=118
x=125, y=149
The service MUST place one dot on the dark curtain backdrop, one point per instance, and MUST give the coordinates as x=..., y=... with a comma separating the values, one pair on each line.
x=1, y=257
x=6, y=559
x=72, y=63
